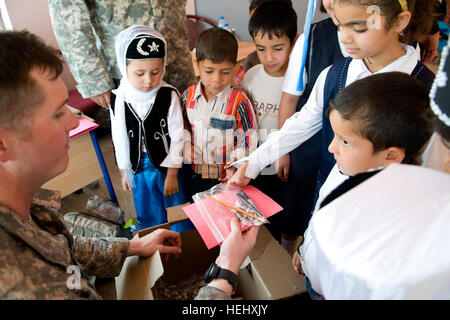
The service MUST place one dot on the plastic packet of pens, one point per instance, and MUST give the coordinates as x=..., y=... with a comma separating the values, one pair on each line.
x=220, y=203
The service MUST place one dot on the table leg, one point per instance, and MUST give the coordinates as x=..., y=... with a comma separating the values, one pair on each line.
x=101, y=161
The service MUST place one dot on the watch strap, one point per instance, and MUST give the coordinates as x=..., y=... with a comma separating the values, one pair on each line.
x=216, y=272
x=228, y=275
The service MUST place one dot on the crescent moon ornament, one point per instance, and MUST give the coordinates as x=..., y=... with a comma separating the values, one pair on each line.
x=139, y=47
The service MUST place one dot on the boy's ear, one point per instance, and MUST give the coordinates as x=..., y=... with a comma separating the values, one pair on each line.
x=402, y=21
x=394, y=154
x=294, y=41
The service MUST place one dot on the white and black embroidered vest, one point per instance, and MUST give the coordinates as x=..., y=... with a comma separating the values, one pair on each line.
x=152, y=130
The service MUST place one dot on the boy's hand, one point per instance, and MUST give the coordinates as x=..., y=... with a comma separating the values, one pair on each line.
x=296, y=263
x=171, y=185
x=239, y=177
x=230, y=171
x=126, y=184
x=284, y=164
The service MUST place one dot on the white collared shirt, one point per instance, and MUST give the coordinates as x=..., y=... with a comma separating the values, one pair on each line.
x=386, y=238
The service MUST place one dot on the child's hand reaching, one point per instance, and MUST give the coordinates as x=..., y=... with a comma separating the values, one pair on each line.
x=171, y=183
x=230, y=171
x=239, y=179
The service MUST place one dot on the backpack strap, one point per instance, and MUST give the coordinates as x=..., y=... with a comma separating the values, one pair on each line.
x=423, y=74
x=334, y=82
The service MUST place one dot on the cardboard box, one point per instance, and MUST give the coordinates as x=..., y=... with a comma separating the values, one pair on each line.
x=267, y=273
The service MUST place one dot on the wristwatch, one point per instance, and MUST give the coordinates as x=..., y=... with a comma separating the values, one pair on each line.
x=214, y=272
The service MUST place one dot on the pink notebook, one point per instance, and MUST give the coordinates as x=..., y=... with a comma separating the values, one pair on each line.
x=85, y=125
x=215, y=228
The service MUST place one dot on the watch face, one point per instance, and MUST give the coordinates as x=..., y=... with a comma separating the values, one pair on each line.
x=211, y=273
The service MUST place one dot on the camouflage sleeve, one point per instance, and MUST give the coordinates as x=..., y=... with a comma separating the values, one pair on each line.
x=170, y=17
x=103, y=257
x=211, y=293
x=74, y=33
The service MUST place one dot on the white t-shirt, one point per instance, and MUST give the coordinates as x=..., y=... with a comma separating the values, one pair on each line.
x=265, y=93
x=303, y=124
x=295, y=62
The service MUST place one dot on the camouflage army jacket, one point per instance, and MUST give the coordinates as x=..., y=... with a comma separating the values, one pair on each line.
x=85, y=31
x=212, y=293
x=39, y=259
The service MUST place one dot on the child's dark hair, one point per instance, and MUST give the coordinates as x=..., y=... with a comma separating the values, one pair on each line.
x=274, y=19
x=391, y=110
x=422, y=15
x=217, y=45
x=256, y=3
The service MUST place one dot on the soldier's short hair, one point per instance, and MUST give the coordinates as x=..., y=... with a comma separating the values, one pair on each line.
x=20, y=53
x=217, y=45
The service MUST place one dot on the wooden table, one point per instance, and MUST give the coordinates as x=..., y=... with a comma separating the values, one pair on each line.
x=244, y=49
x=86, y=163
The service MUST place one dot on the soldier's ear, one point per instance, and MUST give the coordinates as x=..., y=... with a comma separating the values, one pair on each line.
x=5, y=145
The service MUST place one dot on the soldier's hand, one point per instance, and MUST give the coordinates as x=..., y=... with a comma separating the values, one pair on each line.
x=167, y=242
x=103, y=100
x=233, y=251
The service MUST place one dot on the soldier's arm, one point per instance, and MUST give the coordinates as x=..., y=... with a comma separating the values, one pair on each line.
x=73, y=31
x=103, y=257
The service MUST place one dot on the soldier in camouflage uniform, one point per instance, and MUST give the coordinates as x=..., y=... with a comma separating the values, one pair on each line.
x=39, y=259
x=86, y=30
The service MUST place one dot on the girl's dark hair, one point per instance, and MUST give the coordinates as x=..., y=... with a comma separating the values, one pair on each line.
x=256, y=3
x=20, y=53
x=391, y=110
x=274, y=19
x=422, y=15
x=217, y=45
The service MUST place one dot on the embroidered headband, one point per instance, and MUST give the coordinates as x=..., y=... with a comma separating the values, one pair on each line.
x=440, y=91
x=145, y=47
x=403, y=4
